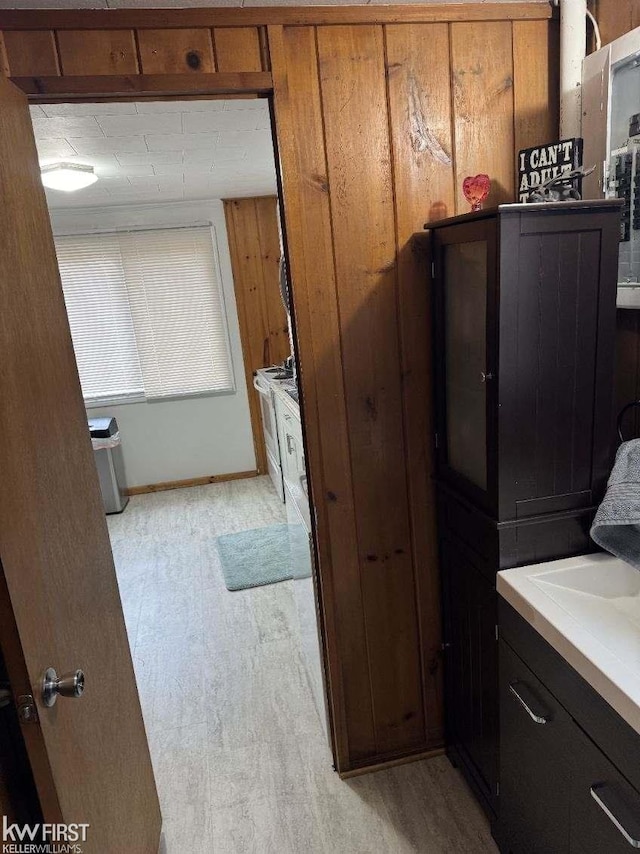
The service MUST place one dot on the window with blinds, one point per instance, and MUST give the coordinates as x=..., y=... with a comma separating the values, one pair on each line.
x=146, y=314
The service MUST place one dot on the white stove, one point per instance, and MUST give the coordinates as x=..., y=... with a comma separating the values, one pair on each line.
x=264, y=381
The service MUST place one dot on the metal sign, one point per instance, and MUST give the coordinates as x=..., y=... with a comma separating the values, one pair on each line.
x=539, y=164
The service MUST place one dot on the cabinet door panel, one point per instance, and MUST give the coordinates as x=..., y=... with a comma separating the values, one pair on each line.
x=605, y=808
x=465, y=300
x=466, y=345
x=472, y=678
x=537, y=740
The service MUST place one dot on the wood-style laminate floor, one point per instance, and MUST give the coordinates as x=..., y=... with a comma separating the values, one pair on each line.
x=239, y=753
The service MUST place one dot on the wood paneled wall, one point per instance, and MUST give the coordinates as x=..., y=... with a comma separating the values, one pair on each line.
x=394, y=117
x=380, y=113
x=252, y=228
x=87, y=52
x=615, y=17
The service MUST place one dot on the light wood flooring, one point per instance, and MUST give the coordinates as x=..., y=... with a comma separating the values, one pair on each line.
x=239, y=753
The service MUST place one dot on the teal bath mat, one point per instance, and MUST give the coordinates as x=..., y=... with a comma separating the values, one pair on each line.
x=256, y=557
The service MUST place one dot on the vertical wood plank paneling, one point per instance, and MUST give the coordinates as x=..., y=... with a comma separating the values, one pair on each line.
x=97, y=52
x=276, y=327
x=4, y=62
x=534, y=86
x=31, y=53
x=616, y=17
x=176, y=51
x=352, y=74
x=237, y=49
x=310, y=246
x=419, y=110
x=482, y=80
x=419, y=105
x=245, y=265
x=252, y=229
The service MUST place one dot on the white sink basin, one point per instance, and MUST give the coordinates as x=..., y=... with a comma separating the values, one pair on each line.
x=604, y=598
x=613, y=580
x=588, y=609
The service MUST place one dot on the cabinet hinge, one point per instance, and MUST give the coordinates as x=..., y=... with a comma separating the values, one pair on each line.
x=497, y=632
x=27, y=711
x=437, y=441
x=433, y=269
x=497, y=789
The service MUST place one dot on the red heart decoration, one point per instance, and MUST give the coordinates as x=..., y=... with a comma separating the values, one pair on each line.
x=476, y=189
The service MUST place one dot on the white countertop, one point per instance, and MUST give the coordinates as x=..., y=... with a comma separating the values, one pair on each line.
x=588, y=609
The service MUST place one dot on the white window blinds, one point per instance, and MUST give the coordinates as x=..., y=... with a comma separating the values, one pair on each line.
x=146, y=313
x=97, y=303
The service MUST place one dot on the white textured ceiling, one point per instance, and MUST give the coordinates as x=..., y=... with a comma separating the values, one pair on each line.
x=159, y=151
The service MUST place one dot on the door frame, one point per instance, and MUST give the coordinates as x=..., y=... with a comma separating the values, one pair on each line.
x=111, y=88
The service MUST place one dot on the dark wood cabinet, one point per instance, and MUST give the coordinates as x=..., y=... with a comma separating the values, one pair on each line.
x=471, y=674
x=569, y=767
x=524, y=331
x=525, y=322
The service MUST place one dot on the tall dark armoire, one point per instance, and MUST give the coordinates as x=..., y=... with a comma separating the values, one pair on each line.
x=524, y=321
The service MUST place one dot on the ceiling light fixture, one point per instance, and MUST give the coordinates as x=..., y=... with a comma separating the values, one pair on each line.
x=68, y=176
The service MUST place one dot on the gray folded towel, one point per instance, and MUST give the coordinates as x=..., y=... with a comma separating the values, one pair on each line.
x=616, y=526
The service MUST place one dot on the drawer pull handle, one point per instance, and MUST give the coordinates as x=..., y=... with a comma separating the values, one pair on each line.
x=539, y=719
x=599, y=795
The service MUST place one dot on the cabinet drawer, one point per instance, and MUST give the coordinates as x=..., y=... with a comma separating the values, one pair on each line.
x=536, y=745
x=605, y=808
x=290, y=440
x=595, y=716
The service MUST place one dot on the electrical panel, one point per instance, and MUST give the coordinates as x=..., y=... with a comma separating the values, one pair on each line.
x=611, y=132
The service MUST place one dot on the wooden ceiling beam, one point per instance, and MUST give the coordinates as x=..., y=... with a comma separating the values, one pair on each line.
x=90, y=19
x=51, y=89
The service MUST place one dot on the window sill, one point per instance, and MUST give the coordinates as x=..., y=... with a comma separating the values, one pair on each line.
x=123, y=401
x=112, y=401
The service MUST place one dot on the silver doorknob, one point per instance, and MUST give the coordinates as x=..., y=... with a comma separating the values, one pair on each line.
x=70, y=685
x=485, y=377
